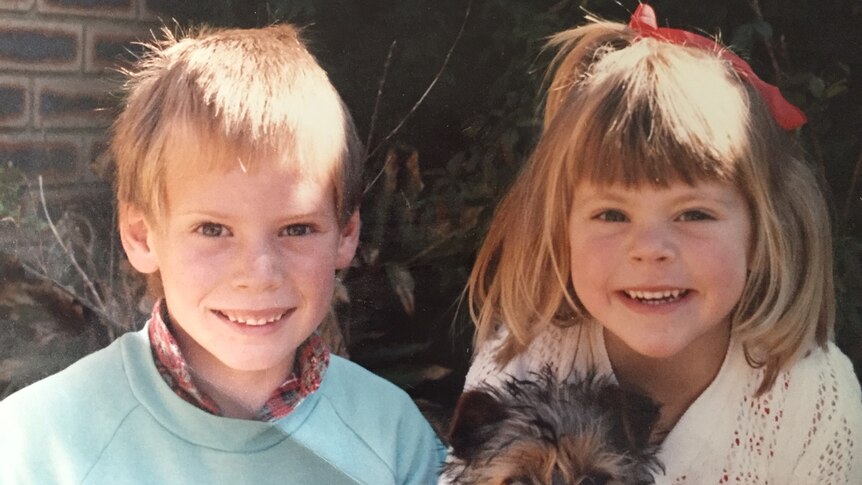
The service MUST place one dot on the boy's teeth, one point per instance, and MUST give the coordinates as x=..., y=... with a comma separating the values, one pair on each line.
x=253, y=321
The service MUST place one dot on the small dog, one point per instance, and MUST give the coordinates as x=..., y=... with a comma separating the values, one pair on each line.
x=540, y=432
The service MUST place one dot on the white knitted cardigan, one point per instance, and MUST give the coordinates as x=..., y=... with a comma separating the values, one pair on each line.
x=806, y=430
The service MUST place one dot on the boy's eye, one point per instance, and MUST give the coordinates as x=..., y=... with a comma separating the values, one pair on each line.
x=695, y=215
x=296, y=230
x=611, y=215
x=211, y=229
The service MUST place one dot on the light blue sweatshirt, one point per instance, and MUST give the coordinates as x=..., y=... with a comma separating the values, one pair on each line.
x=111, y=419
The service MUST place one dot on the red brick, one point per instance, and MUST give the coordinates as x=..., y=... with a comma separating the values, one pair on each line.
x=40, y=46
x=111, y=47
x=14, y=101
x=53, y=156
x=22, y=5
x=65, y=103
x=90, y=8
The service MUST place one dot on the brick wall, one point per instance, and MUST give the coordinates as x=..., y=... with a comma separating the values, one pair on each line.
x=58, y=82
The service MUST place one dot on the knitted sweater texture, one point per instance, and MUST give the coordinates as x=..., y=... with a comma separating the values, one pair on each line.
x=111, y=419
x=807, y=429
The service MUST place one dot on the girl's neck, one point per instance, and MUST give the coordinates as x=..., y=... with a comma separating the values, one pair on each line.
x=676, y=381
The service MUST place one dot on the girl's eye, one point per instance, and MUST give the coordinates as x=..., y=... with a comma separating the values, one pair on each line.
x=695, y=215
x=211, y=229
x=297, y=230
x=612, y=215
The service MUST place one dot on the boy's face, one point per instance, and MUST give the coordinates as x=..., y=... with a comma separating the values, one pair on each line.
x=247, y=262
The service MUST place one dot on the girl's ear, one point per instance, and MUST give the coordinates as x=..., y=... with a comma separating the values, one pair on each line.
x=135, y=234
x=348, y=241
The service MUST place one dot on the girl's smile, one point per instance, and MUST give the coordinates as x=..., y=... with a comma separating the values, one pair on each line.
x=655, y=300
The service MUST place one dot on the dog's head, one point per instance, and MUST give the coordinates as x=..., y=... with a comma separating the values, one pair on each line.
x=540, y=432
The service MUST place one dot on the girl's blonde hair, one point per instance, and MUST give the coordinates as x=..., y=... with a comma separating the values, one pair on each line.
x=221, y=99
x=632, y=111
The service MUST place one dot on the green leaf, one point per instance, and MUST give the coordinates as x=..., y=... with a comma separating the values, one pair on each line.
x=816, y=86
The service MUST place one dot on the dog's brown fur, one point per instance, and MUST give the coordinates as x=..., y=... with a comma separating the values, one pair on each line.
x=539, y=432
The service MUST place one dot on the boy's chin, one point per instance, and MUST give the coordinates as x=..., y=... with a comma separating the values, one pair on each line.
x=274, y=363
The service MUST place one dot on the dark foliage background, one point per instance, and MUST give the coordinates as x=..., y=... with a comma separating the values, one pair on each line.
x=446, y=93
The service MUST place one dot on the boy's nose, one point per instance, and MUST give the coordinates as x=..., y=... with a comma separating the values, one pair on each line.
x=258, y=269
x=651, y=244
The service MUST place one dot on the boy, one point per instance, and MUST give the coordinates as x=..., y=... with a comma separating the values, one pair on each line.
x=238, y=186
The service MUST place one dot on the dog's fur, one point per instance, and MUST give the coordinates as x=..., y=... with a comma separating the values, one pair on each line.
x=540, y=432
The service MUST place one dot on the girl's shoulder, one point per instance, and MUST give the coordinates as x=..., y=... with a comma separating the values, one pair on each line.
x=825, y=383
x=802, y=430
x=825, y=380
x=567, y=350
x=821, y=404
x=818, y=391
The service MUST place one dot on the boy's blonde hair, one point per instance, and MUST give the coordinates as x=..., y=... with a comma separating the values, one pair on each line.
x=643, y=111
x=222, y=99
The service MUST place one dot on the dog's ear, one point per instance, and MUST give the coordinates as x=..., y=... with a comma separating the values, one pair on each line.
x=637, y=416
x=474, y=421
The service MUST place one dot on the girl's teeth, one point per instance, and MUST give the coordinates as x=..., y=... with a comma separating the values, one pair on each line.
x=655, y=296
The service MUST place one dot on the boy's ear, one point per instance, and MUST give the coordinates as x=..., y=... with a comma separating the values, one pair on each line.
x=135, y=235
x=348, y=241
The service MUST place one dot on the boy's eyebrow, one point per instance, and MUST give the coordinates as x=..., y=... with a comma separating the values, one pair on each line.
x=226, y=215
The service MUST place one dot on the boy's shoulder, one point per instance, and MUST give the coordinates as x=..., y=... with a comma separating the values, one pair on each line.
x=67, y=417
x=87, y=384
x=363, y=398
x=369, y=428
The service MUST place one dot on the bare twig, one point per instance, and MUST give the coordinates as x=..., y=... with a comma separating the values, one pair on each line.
x=770, y=49
x=104, y=317
x=437, y=244
x=421, y=98
x=379, y=96
x=83, y=274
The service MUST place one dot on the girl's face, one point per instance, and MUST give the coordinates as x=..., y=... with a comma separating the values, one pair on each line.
x=661, y=268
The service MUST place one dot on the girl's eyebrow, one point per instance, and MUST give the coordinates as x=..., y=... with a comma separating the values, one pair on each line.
x=601, y=195
x=622, y=196
x=725, y=201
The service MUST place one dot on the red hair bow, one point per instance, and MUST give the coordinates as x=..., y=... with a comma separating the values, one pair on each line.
x=788, y=116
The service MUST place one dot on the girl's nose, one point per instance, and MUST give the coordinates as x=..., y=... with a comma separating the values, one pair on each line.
x=651, y=244
x=258, y=268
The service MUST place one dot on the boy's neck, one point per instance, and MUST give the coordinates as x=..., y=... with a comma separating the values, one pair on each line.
x=675, y=382
x=239, y=394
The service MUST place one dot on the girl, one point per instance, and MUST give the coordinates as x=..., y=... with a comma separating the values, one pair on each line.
x=667, y=231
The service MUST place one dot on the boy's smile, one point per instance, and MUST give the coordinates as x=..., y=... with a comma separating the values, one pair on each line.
x=247, y=260
x=661, y=268
x=253, y=318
